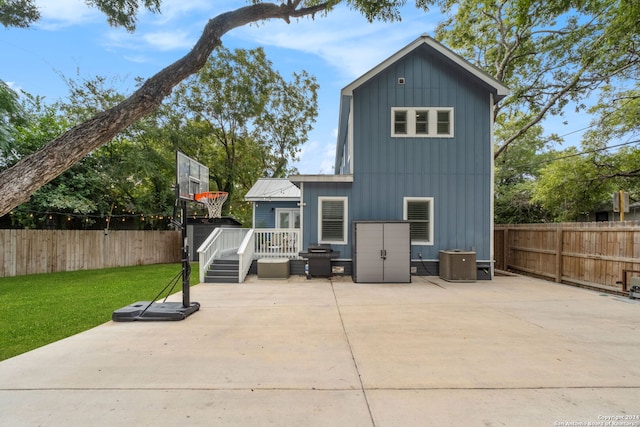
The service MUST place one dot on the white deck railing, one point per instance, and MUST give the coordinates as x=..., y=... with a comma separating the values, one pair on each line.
x=247, y=245
x=277, y=242
x=245, y=255
x=222, y=242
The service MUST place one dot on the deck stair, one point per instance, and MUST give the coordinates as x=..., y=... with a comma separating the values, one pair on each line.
x=223, y=271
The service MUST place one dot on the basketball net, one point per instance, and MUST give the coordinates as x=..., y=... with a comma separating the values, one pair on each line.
x=213, y=200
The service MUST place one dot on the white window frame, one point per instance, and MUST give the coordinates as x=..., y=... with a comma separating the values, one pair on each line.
x=345, y=217
x=407, y=127
x=292, y=213
x=444, y=110
x=405, y=214
x=432, y=122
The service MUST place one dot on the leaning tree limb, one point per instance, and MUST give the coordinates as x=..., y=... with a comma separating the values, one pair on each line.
x=18, y=182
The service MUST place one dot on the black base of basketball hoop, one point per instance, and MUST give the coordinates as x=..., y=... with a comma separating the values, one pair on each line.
x=154, y=311
x=192, y=183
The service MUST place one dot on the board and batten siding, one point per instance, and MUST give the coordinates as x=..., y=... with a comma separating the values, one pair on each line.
x=456, y=171
x=310, y=195
x=265, y=213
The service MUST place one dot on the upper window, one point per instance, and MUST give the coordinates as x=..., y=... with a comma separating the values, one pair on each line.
x=419, y=212
x=400, y=122
x=444, y=122
x=422, y=122
x=332, y=227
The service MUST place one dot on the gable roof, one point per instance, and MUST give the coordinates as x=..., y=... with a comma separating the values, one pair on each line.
x=268, y=189
x=500, y=90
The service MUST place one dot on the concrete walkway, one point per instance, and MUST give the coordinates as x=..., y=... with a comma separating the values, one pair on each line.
x=514, y=351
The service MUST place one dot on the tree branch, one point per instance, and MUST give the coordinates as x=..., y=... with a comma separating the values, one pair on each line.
x=538, y=117
x=35, y=170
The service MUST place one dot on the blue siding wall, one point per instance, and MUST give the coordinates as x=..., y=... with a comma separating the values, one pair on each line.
x=265, y=214
x=456, y=171
x=310, y=194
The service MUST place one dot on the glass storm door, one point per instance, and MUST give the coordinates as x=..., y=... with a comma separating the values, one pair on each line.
x=288, y=218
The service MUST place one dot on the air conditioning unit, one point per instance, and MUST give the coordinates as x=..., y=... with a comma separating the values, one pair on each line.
x=458, y=266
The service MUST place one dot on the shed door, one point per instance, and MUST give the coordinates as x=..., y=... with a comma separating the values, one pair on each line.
x=397, y=246
x=370, y=266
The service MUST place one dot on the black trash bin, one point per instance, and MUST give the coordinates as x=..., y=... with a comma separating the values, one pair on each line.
x=319, y=259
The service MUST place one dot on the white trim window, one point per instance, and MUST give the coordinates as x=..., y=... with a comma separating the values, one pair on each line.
x=287, y=218
x=419, y=212
x=422, y=122
x=332, y=220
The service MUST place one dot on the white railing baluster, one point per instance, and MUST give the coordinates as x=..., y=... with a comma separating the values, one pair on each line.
x=277, y=242
x=246, y=255
x=248, y=244
x=220, y=243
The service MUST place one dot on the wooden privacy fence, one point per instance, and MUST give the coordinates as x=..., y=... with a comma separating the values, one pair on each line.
x=45, y=251
x=589, y=254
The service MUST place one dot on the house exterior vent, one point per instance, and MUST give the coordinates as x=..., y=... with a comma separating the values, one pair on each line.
x=401, y=80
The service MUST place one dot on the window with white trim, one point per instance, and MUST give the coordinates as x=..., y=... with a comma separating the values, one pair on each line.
x=332, y=224
x=287, y=218
x=422, y=122
x=419, y=212
x=400, y=122
x=444, y=122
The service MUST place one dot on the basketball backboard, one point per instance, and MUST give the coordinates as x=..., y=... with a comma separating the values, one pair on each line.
x=192, y=177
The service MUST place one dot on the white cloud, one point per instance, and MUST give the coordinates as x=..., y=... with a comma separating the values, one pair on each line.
x=14, y=87
x=175, y=9
x=57, y=14
x=317, y=157
x=165, y=40
x=138, y=59
x=159, y=41
x=343, y=39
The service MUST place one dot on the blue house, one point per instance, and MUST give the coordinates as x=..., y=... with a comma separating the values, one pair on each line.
x=414, y=144
x=276, y=203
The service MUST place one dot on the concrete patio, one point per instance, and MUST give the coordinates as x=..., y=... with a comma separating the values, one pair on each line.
x=513, y=351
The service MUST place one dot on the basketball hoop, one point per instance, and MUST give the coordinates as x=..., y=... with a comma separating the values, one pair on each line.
x=213, y=200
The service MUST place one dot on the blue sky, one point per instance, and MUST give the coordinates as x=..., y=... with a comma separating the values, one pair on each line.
x=74, y=41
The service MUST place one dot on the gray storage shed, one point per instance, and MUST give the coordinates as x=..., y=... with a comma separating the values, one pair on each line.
x=382, y=252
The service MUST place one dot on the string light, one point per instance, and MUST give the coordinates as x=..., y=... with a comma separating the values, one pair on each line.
x=144, y=220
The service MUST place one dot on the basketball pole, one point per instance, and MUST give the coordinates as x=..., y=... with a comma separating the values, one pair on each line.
x=153, y=310
x=186, y=266
x=169, y=310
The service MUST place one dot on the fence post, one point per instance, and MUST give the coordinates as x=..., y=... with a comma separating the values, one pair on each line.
x=505, y=248
x=559, y=241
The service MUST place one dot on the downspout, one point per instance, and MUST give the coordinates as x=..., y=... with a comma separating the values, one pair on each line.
x=492, y=190
x=253, y=219
x=302, y=204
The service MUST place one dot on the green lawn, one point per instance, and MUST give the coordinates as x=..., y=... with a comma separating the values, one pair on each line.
x=42, y=308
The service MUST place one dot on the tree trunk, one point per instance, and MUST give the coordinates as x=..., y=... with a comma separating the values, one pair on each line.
x=35, y=170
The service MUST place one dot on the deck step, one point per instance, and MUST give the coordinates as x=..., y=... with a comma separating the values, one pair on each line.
x=223, y=271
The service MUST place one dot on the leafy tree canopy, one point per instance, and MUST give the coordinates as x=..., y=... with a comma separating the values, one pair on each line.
x=548, y=53
x=11, y=114
x=237, y=115
x=61, y=153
